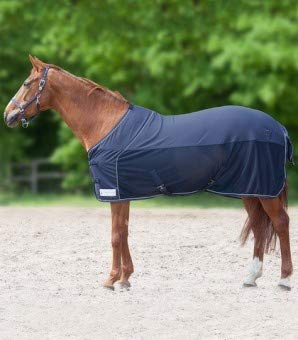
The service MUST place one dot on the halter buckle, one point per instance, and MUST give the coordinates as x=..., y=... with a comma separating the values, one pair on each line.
x=41, y=84
x=25, y=123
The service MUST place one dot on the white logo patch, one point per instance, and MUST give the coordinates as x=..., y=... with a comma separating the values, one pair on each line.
x=107, y=192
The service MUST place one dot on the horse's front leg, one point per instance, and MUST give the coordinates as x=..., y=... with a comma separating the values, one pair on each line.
x=120, y=214
x=127, y=264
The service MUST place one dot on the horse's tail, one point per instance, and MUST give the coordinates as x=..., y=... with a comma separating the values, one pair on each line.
x=259, y=219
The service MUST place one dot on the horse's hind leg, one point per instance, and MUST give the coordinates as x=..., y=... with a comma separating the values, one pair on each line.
x=254, y=222
x=280, y=220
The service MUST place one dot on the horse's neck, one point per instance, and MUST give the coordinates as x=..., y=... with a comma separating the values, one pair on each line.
x=89, y=117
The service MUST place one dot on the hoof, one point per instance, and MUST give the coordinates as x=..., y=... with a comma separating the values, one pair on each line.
x=285, y=284
x=249, y=284
x=108, y=286
x=124, y=285
x=283, y=287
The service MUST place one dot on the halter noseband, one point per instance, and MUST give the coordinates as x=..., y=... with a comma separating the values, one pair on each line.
x=35, y=98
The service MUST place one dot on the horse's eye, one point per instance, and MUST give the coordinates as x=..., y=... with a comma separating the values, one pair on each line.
x=26, y=84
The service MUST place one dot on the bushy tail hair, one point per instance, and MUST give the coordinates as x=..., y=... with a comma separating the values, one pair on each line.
x=258, y=218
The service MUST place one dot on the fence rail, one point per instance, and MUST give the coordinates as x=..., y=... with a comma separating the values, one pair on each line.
x=32, y=174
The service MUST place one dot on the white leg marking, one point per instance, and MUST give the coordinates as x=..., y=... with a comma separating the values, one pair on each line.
x=255, y=271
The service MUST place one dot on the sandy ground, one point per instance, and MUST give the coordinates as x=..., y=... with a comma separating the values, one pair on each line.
x=187, y=283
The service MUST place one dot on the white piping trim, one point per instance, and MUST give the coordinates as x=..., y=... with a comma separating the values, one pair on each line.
x=192, y=192
x=142, y=128
x=144, y=197
x=129, y=199
x=246, y=195
x=185, y=193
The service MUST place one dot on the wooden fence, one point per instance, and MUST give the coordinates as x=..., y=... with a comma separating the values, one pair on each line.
x=31, y=173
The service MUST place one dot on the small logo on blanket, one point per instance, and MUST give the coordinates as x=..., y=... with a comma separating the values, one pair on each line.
x=107, y=192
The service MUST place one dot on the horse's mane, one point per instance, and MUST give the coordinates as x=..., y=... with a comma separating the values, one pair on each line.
x=92, y=85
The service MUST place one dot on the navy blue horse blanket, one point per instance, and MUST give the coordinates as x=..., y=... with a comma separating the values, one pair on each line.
x=231, y=150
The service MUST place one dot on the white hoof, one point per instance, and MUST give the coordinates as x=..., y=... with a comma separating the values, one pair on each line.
x=255, y=271
x=285, y=283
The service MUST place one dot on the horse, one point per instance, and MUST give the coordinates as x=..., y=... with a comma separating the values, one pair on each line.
x=96, y=114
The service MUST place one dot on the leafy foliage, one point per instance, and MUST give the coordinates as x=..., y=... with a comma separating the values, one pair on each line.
x=168, y=55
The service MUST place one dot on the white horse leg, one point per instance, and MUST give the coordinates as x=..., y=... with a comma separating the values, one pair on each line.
x=254, y=223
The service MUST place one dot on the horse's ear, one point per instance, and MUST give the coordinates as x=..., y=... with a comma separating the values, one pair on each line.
x=32, y=60
x=36, y=63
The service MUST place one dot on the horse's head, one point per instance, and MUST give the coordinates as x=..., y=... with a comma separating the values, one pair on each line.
x=31, y=98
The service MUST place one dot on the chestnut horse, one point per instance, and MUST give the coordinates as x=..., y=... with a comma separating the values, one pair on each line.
x=91, y=111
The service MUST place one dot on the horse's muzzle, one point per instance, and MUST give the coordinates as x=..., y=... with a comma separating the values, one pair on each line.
x=12, y=118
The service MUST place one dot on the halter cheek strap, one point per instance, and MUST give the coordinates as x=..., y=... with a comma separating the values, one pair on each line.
x=35, y=98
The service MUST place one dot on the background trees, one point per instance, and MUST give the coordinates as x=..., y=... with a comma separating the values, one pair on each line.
x=171, y=56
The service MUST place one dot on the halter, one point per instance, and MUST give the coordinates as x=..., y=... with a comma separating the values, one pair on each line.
x=35, y=98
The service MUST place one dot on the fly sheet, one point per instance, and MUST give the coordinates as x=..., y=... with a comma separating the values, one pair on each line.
x=231, y=150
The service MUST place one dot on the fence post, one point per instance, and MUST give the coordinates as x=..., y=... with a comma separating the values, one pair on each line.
x=34, y=177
